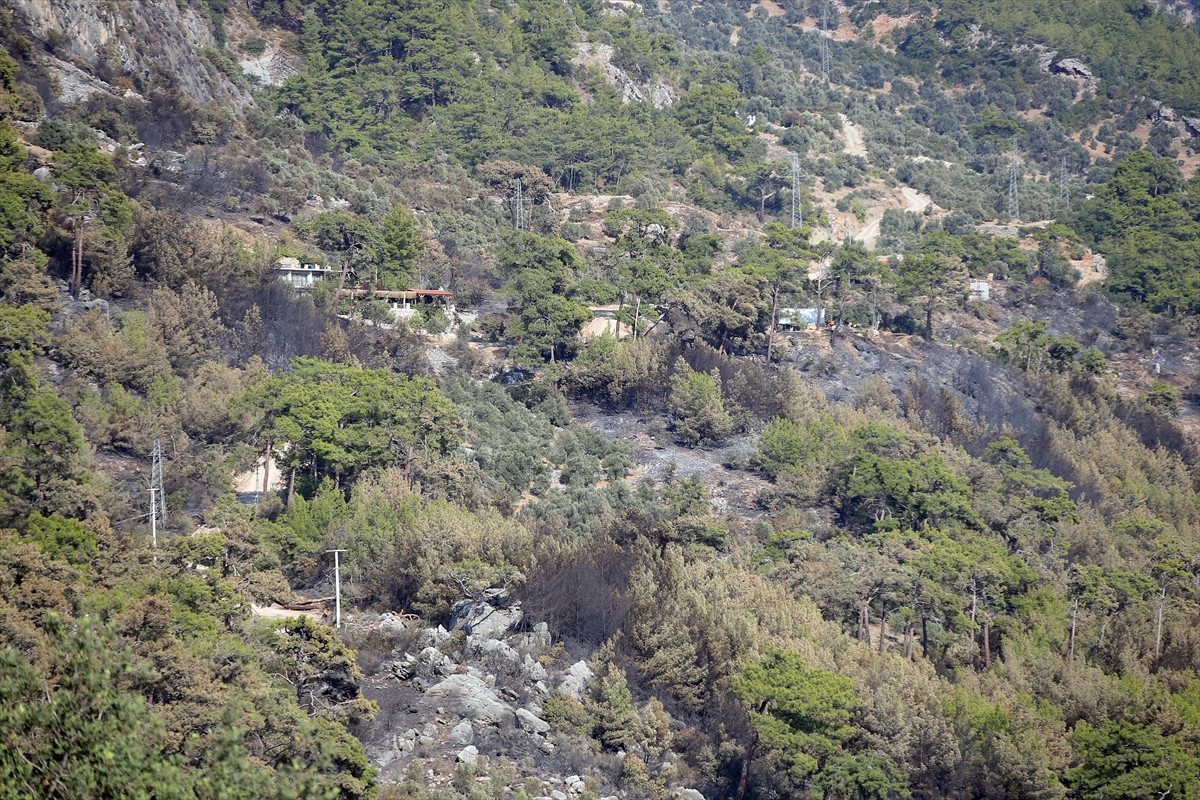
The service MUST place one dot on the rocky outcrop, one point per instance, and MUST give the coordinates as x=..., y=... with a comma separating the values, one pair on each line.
x=491, y=616
x=599, y=56
x=449, y=699
x=471, y=698
x=273, y=67
x=1073, y=66
x=137, y=39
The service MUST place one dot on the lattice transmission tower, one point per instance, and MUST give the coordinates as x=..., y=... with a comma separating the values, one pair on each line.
x=1014, y=183
x=824, y=43
x=518, y=205
x=797, y=200
x=158, y=495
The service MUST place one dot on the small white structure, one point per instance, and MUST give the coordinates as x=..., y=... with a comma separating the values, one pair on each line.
x=404, y=303
x=300, y=276
x=980, y=291
x=796, y=319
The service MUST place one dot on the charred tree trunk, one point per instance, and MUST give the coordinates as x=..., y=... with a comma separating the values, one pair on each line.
x=864, y=623
x=744, y=779
x=771, y=327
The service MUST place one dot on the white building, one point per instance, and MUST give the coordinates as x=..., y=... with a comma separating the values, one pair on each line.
x=300, y=276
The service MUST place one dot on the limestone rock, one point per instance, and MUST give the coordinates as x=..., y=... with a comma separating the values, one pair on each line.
x=469, y=754
x=463, y=733
x=497, y=654
x=491, y=616
x=429, y=663
x=534, y=671
x=575, y=682
x=470, y=697
x=531, y=722
x=1073, y=66
x=433, y=637
x=138, y=37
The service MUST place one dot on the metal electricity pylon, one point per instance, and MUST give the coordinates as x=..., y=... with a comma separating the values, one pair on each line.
x=1014, y=180
x=824, y=43
x=158, y=495
x=797, y=200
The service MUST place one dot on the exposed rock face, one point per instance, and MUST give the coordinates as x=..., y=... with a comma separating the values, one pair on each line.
x=135, y=38
x=1073, y=66
x=658, y=94
x=463, y=733
x=273, y=67
x=447, y=700
x=576, y=681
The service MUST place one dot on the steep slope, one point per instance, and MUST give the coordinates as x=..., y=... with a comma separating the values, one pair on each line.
x=939, y=541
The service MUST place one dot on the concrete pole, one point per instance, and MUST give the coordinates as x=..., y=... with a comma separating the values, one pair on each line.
x=337, y=588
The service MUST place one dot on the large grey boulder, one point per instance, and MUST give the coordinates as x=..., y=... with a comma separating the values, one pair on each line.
x=470, y=697
x=434, y=637
x=575, y=682
x=531, y=722
x=534, y=671
x=493, y=652
x=536, y=641
x=463, y=733
x=491, y=616
x=1073, y=66
x=429, y=663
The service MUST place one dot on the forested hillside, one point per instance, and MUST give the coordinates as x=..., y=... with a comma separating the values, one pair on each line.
x=747, y=400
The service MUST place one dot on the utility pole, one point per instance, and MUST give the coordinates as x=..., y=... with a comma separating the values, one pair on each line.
x=1014, y=179
x=153, y=523
x=797, y=200
x=337, y=588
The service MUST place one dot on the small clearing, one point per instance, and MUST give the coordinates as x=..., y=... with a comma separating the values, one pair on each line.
x=854, y=137
x=773, y=9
